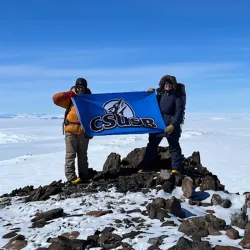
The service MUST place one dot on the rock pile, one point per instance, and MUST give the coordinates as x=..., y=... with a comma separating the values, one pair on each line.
x=123, y=175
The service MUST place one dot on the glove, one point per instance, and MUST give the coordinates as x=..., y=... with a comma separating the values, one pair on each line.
x=169, y=129
x=70, y=94
x=151, y=90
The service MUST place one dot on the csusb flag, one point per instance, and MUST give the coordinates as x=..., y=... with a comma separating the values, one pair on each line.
x=119, y=113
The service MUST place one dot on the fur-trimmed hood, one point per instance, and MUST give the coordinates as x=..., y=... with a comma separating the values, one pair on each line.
x=168, y=78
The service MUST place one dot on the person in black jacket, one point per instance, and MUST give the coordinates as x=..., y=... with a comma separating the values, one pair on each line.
x=172, y=108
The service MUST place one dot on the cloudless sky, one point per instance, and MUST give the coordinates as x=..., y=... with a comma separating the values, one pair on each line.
x=124, y=46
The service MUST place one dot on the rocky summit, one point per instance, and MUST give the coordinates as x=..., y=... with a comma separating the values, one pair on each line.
x=121, y=208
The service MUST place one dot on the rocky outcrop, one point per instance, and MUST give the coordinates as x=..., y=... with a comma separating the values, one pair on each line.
x=41, y=218
x=202, y=226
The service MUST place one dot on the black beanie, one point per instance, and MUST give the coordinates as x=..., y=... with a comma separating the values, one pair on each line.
x=81, y=82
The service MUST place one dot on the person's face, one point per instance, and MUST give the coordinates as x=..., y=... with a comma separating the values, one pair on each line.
x=80, y=89
x=168, y=86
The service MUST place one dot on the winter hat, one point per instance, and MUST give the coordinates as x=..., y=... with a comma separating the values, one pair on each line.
x=81, y=82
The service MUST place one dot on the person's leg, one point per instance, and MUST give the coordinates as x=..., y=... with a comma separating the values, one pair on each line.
x=150, y=152
x=71, y=143
x=175, y=152
x=82, y=156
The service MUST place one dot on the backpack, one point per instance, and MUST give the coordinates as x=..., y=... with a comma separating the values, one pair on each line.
x=181, y=92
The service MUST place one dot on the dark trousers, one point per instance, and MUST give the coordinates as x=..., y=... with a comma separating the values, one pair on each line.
x=151, y=151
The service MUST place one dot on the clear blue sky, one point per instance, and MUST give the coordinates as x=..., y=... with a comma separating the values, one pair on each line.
x=124, y=46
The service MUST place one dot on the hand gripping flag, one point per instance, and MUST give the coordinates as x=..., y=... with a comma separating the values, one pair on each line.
x=119, y=113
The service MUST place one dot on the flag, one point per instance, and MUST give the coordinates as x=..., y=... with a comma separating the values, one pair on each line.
x=119, y=113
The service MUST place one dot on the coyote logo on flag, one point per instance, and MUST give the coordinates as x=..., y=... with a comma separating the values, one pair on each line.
x=118, y=113
x=119, y=107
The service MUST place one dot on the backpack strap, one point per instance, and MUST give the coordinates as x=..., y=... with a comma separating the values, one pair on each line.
x=66, y=114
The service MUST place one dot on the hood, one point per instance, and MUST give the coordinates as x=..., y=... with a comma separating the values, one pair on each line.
x=168, y=78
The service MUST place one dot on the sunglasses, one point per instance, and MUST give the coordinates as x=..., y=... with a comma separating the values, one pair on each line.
x=80, y=88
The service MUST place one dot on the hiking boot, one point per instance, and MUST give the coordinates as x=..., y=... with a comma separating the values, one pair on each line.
x=175, y=171
x=75, y=181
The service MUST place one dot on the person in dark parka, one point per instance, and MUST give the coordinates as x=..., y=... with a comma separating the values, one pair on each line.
x=172, y=108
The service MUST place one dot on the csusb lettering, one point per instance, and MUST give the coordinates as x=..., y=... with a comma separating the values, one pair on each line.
x=110, y=121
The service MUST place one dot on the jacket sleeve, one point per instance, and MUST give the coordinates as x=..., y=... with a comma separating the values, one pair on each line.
x=61, y=99
x=179, y=109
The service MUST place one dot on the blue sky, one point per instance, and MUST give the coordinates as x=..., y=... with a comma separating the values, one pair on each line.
x=124, y=46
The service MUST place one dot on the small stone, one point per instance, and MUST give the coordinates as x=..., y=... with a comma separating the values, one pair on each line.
x=232, y=234
x=245, y=243
x=169, y=223
x=99, y=213
x=210, y=211
x=10, y=235
x=187, y=187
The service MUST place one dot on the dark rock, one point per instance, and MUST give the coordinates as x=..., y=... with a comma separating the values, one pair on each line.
x=44, y=193
x=245, y=243
x=196, y=158
x=187, y=187
x=150, y=182
x=138, y=220
x=126, y=246
x=112, y=162
x=72, y=235
x=108, y=230
x=233, y=233
x=208, y=183
x=131, y=235
x=168, y=223
x=134, y=211
x=168, y=186
x=217, y=200
x=16, y=243
x=212, y=231
x=157, y=240
x=155, y=207
x=210, y=211
x=194, y=202
x=239, y=220
x=92, y=240
x=186, y=244
x=39, y=223
x=173, y=206
x=10, y=235
x=134, y=158
x=205, y=204
x=162, y=214
x=41, y=218
x=178, y=180
x=226, y=203
x=145, y=190
x=201, y=226
x=63, y=243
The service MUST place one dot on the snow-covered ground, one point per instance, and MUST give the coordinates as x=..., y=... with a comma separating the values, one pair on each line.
x=32, y=149
x=32, y=153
